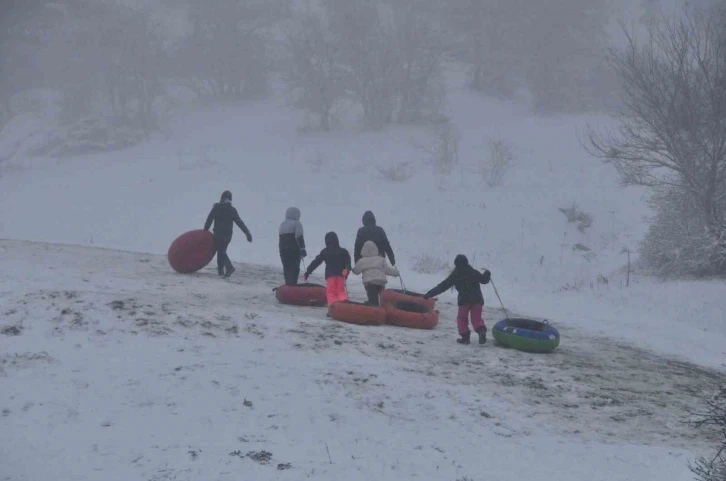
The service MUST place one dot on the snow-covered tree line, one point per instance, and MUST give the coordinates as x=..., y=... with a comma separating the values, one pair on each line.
x=121, y=59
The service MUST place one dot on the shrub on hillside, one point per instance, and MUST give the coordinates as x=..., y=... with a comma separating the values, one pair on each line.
x=713, y=468
x=576, y=216
x=428, y=264
x=502, y=158
x=671, y=135
x=443, y=151
x=400, y=172
x=678, y=242
x=92, y=134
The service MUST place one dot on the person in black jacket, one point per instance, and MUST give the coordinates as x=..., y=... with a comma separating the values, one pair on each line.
x=337, y=267
x=292, y=245
x=223, y=214
x=371, y=232
x=467, y=282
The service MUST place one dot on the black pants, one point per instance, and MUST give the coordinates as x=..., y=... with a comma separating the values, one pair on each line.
x=374, y=293
x=220, y=247
x=290, y=266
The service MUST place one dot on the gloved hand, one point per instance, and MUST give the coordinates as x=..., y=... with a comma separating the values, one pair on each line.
x=303, y=253
x=249, y=237
x=305, y=276
x=487, y=277
x=427, y=296
x=345, y=273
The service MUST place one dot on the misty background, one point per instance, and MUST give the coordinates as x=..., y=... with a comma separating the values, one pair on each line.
x=131, y=63
x=106, y=75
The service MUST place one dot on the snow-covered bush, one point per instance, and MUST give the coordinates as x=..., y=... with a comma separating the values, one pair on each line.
x=502, y=158
x=225, y=56
x=92, y=134
x=671, y=134
x=678, y=242
x=575, y=215
x=713, y=468
x=314, y=75
x=428, y=264
x=443, y=151
x=400, y=172
x=385, y=57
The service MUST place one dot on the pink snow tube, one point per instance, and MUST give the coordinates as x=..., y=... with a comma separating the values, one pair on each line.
x=191, y=251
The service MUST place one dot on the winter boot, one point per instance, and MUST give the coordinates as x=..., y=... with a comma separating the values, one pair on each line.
x=230, y=270
x=220, y=271
x=482, y=331
x=465, y=338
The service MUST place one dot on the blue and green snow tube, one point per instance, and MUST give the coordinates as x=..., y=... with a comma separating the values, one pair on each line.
x=526, y=335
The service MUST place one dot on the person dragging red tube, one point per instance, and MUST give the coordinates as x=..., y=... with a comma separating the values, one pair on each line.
x=337, y=266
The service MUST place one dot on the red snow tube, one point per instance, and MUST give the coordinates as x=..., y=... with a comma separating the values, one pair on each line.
x=411, y=315
x=389, y=296
x=357, y=313
x=301, y=295
x=191, y=251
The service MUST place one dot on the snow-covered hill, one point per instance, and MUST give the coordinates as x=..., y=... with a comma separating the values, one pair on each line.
x=113, y=367
x=140, y=199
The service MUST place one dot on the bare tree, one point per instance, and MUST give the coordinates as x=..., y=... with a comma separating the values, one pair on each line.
x=26, y=31
x=419, y=45
x=121, y=50
x=393, y=55
x=672, y=128
x=369, y=54
x=502, y=158
x=314, y=75
x=225, y=57
x=556, y=49
x=443, y=151
x=482, y=30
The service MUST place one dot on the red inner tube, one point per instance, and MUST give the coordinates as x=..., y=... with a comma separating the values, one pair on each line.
x=191, y=251
x=389, y=296
x=357, y=313
x=411, y=315
x=302, y=295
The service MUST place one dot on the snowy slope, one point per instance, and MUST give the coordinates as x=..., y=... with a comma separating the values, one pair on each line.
x=140, y=199
x=115, y=368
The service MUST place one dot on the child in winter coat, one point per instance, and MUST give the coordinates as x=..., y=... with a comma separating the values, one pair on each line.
x=372, y=232
x=223, y=214
x=337, y=266
x=374, y=269
x=292, y=245
x=467, y=282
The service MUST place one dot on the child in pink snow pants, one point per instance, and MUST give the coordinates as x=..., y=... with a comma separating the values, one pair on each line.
x=335, y=289
x=467, y=282
x=337, y=266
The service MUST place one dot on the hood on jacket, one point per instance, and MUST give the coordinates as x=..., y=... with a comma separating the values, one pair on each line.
x=369, y=218
x=370, y=249
x=331, y=240
x=461, y=261
x=226, y=196
x=292, y=213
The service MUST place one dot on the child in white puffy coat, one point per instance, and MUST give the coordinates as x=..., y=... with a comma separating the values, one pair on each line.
x=374, y=269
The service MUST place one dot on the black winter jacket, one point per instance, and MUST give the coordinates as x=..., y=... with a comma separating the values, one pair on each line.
x=335, y=257
x=371, y=232
x=466, y=280
x=223, y=214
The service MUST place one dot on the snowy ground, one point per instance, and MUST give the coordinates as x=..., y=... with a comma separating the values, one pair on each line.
x=113, y=367
x=141, y=198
